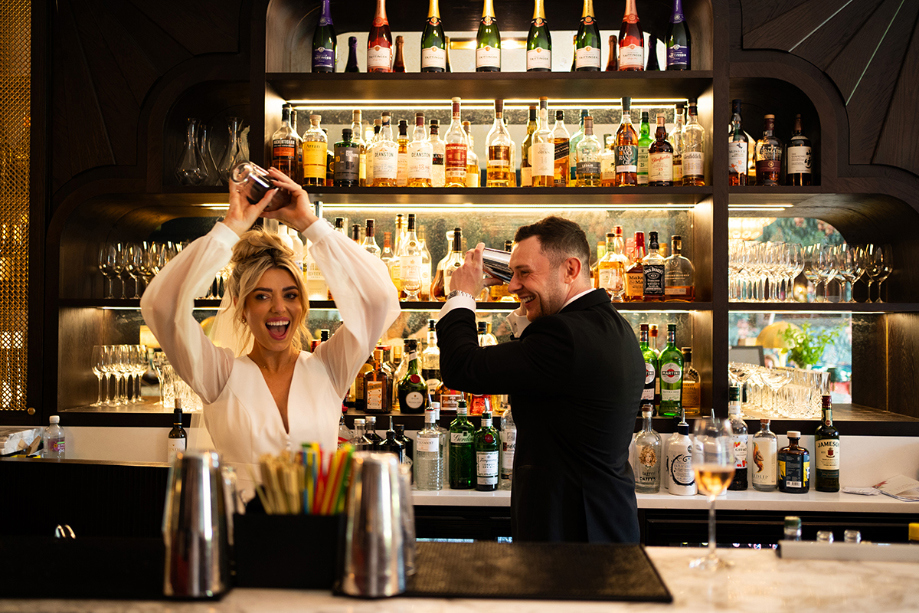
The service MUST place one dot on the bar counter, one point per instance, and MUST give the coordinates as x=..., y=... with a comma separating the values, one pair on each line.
x=759, y=581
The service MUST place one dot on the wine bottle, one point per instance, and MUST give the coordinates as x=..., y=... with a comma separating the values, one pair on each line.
x=488, y=41
x=177, y=440
x=631, y=40
x=379, y=42
x=587, y=48
x=678, y=40
x=352, y=66
x=539, y=41
x=433, y=42
x=612, y=64
x=653, y=64
x=325, y=43
x=398, y=64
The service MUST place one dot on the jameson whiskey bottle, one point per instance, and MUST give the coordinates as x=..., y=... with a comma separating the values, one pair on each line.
x=671, y=376
x=462, y=450
x=488, y=41
x=826, y=451
x=739, y=428
x=433, y=42
x=587, y=47
x=486, y=456
x=325, y=44
x=539, y=42
x=651, y=366
x=379, y=42
x=413, y=391
x=626, y=148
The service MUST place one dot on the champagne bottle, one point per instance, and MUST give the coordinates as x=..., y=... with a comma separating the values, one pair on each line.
x=653, y=64
x=587, y=48
x=379, y=42
x=352, y=66
x=488, y=41
x=631, y=40
x=433, y=42
x=678, y=39
x=325, y=44
x=539, y=41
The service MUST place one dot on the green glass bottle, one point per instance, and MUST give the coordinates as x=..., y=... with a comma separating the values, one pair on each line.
x=652, y=367
x=488, y=41
x=462, y=450
x=539, y=41
x=433, y=42
x=413, y=391
x=587, y=47
x=671, y=366
x=486, y=456
x=644, y=141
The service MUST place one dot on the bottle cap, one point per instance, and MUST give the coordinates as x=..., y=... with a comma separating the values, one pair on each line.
x=371, y=420
x=646, y=412
x=54, y=419
x=793, y=434
x=682, y=429
x=687, y=353
x=359, y=421
x=914, y=533
x=482, y=328
x=400, y=428
x=432, y=324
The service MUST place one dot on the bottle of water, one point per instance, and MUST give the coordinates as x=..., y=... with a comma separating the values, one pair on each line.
x=428, y=464
x=508, y=446
x=53, y=440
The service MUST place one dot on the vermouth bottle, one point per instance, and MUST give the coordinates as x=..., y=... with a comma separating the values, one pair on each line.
x=587, y=48
x=693, y=149
x=486, y=456
x=768, y=155
x=379, y=42
x=652, y=359
x=626, y=148
x=398, y=64
x=284, y=144
x=433, y=42
x=588, y=157
x=631, y=40
x=660, y=157
x=488, y=41
x=539, y=41
x=671, y=365
x=826, y=450
x=325, y=44
x=678, y=40
x=413, y=391
x=644, y=143
x=455, y=171
x=526, y=170
x=738, y=146
x=410, y=256
x=499, y=146
x=420, y=155
x=542, y=152
x=799, y=156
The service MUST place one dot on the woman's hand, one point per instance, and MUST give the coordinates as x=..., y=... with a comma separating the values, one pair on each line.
x=299, y=213
x=242, y=214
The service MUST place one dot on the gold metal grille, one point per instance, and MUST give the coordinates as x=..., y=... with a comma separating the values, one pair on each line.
x=15, y=70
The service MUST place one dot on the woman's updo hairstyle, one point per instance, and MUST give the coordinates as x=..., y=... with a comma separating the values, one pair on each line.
x=256, y=253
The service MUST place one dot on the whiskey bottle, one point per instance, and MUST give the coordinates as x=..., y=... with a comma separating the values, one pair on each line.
x=652, y=361
x=437, y=285
x=679, y=274
x=588, y=40
x=635, y=273
x=438, y=156
x=369, y=243
x=420, y=155
x=462, y=450
x=612, y=63
x=542, y=153
x=433, y=42
x=738, y=146
x=573, y=143
x=588, y=157
x=676, y=141
x=372, y=140
x=644, y=143
x=526, y=170
x=499, y=145
x=739, y=429
x=385, y=155
x=347, y=161
x=486, y=456
x=488, y=41
x=595, y=267
x=764, y=458
x=379, y=42
x=678, y=40
x=768, y=155
x=357, y=137
x=425, y=265
x=454, y=261
x=660, y=157
x=402, y=155
x=387, y=253
x=653, y=271
x=410, y=256
x=539, y=42
x=626, y=147
x=315, y=148
x=693, y=149
x=398, y=64
x=473, y=174
x=826, y=450
x=325, y=47
x=794, y=466
x=631, y=40
x=413, y=391
x=799, y=156
x=612, y=268
x=671, y=366
x=284, y=145
x=456, y=146
x=692, y=385
x=648, y=454
x=499, y=292
x=562, y=141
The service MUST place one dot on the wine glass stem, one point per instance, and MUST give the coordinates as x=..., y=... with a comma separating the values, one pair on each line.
x=711, y=527
x=109, y=289
x=99, y=395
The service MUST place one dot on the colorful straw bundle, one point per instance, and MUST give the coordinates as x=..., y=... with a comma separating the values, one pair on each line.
x=309, y=482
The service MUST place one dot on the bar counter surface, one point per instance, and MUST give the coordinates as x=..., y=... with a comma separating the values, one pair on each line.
x=759, y=581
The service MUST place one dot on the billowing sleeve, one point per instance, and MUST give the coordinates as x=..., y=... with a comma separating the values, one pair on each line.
x=167, y=307
x=364, y=295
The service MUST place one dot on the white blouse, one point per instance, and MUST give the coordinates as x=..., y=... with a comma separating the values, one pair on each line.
x=240, y=413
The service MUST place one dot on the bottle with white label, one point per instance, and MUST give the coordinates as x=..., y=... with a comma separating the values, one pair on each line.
x=486, y=456
x=542, y=152
x=413, y=391
x=428, y=461
x=539, y=41
x=739, y=428
x=587, y=42
x=177, y=441
x=798, y=156
x=53, y=440
x=693, y=149
x=410, y=258
x=420, y=155
x=385, y=152
x=681, y=478
x=508, y=448
x=462, y=450
x=765, y=463
x=488, y=41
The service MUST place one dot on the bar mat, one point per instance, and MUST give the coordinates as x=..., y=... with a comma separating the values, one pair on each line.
x=546, y=571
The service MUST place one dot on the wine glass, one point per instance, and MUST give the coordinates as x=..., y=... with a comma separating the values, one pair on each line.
x=847, y=258
x=885, y=265
x=825, y=267
x=713, y=465
x=795, y=268
x=106, y=263
x=810, y=269
x=872, y=264
x=109, y=368
x=98, y=362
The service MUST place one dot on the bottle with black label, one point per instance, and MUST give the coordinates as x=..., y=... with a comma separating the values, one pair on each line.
x=178, y=439
x=413, y=391
x=653, y=268
x=826, y=451
x=794, y=466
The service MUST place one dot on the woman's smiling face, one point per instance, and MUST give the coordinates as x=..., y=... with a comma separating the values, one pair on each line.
x=273, y=310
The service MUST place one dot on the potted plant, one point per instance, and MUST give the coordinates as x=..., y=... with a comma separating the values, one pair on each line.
x=806, y=345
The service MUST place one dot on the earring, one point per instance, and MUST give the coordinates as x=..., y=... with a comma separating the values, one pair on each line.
x=244, y=321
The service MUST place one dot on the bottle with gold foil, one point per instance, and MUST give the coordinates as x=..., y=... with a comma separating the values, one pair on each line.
x=433, y=42
x=631, y=40
x=539, y=41
x=379, y=42
x=499, y=145
x=315, y=150
x=488, y=41
x=692, y=385
x=587, y=45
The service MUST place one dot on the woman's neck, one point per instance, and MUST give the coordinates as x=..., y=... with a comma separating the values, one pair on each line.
x=272, y=361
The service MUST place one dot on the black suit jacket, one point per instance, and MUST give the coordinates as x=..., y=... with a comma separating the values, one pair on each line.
x=575, y=380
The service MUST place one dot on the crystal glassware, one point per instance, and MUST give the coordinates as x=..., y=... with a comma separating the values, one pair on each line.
x=884, y=257
x=107, y=263
x=97, y=362
x=713, y=465
x=232, y=156
x=189, y=170
x=873, y=261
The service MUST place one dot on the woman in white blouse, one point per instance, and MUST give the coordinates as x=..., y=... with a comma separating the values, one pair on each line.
x=276, y=396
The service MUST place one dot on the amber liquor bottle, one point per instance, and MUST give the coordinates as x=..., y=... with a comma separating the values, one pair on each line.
x=626, y=148
x=635, y=273
x=768, y=155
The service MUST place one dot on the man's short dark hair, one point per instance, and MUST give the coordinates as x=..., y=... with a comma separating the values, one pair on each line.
x=560, y=239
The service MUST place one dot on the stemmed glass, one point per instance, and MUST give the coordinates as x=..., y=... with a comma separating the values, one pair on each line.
x=849, y=268
x=139, y=365
x=98, y=364
x=713, y=465
x=107, y=263
x=811, y=267
x=883, y=254
x=825, y=265
x=873, y=264
x=795, y=267
x=109, y=367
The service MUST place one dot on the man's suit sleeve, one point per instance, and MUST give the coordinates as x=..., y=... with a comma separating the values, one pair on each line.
x=536, y=362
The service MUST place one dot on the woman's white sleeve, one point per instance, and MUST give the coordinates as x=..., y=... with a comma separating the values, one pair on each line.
x=365, y=298
x=167, y=307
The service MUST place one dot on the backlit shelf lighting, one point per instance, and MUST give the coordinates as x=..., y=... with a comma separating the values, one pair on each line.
x=479, y=104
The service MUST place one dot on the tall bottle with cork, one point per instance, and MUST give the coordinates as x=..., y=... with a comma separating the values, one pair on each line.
x=325, y=45
x=456, y=147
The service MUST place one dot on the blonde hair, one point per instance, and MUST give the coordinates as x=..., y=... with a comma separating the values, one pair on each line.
x=256, y=253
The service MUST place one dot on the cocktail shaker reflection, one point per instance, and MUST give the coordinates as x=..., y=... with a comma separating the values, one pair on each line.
x=195, y=528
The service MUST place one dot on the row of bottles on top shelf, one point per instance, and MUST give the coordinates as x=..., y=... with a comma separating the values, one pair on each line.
x=666, y=463
x=627, y=50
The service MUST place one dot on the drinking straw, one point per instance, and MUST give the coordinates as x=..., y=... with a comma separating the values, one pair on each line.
x=333, y=483
x=345, y=478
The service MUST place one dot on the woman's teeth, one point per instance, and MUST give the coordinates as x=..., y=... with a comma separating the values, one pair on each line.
x=277, y=329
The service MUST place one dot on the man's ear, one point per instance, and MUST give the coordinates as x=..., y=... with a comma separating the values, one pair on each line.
x=572, y=269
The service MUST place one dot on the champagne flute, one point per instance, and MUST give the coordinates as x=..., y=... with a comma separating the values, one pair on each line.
x=713, y=465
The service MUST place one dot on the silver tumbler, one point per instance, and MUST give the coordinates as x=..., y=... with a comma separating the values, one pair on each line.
x=195, y=528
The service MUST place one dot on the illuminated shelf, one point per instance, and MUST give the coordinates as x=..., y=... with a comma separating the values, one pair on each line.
x=823, y=307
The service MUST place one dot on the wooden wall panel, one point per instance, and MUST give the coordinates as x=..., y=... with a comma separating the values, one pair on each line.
x=786, y=29
x=899, y=141
x=823, y=45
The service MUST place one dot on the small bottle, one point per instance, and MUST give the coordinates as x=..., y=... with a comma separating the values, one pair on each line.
x=644, y=144
x=648, y=449
x=53, y=440
x=671, y=367
x=352, y=66
x=427, y=465
x=359, y=438
x=344, y=433
x=508, y=434
x=826, y=450
x=373, y=439
x=682, y=479
x=347, y=161
x=407, y=443
x=177, y=441
x=588, y=157
x=611, y=269
x=692, y=385
x=462, y=450
x=412, y=388
x=660, y=157
x=398, y=64
x=679, y=274
x=764, y=458
x=486, y=456
x=612, y=63
x=739, y=429
x=653, y=270
x=792, y=531
x=794, y=466
x=799, y=161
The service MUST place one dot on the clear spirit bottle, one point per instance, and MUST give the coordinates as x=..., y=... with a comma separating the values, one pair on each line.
x=588, y=157
x=428, y=460
x=370, y=242
x=438, y=156
x=420, y=155
x=410, y=261
x=455, y=260
x=764, y=458
x=676, y=141
x=679, y=274
x=693, y=149
x=430, y=362
x=508, y=434
x=648, y=448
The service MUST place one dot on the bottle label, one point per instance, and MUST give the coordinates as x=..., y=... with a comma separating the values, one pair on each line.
x=793, y=471
x=472, y=176
x=764, y=460
x=347, y=164
x=587, y=57
x=681, y=473
x=414, y=400
x=650, y=382
x=173, y=447
x=410, y=268
x=643, y=165
x=692, y=394
x=799, y=160
x=526, y=176
x=507, y=463
x=654, y=279
x=677, y=170
x=488, y=57
x=631, y=56
x=740, y=451
x=660, y=167
x=561, y=149
x=434, y=57
x=461, y=438
x=635, y=284
x=611, y=279
x=374, y=395
x=542, y=159
x=737, y=157
x=608, y=167
x=283, y=149
x=539, y=58
x=314, y=159
x=692, y=163
x=419, y=164
x=626, y=158
x=456, y=163
x=647, y=457
x=379, y=58
x=486, y=467
x=427, y=444
x=385, y=163
x=678, y=55
x=323, y=58
x=764, y=167
x=588, y=169
x=827, y=454
x=499, y=157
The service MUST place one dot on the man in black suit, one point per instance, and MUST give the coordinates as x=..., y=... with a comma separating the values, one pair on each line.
x=575, y=377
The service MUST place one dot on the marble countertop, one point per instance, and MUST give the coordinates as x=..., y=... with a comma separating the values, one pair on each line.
x=759, y=581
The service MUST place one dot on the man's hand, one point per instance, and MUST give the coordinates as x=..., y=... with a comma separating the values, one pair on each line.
x=299, y=213
x=469, y=277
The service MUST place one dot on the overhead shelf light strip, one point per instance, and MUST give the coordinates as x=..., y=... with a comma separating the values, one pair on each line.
x=478, y=104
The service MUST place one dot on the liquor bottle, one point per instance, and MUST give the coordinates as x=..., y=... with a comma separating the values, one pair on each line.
x=377, y=386
x=826, y=450
x=652, y=365
x=612, y=268
x=462, y=450
x=508, y=434
x=526, y=170
x=488, y=41
x=692, y=385
x=678, y=40
x=428, y=463
x=499, y=146
x=738, y=146
x=499, y=292
x=588, y=157
x=352, y=66
x=425, y=265
x=373, y=439
x=653, y=65
x=357, y=139
x=644, y=143
x=768, y=155
x=413, y=391
x=447, y=43
x=739, y=429
x=387, y=254
x=315, y=148
x=681, y=477
x=473, y=173
x=794, y=466
x=284, y=145
x=358, y=438
x=420, y=153
x=325, y=45
x=176, y=441
x=410, y=260
x=398, y=64
x=612, y=64
x=631, y=40
x=693, y=149
x=648, y=447
x=573, y=148
x=371, y=143
x=660, y=157
x=676, y=141
x=653, y=271
x=385, y=155
x=671, y=367
x=539, y=41
x=438, y=156
x=437, y=285
x=561, y=140
x=391, y=444
x=595, y=267
x=433, y=42
x=635, y=273
x=487, y=450
x=626, y=147
x=456, y=146
x=587, y=47
x=764, y=458
x=379, y=42
x=329, y=162
x=799, y=156
x=430, y=362
x=454, y=261
x=542, y=153
x=608, y=162
x=679, y=274
x=369, y=243
x=402, y=155
x=347, y=161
